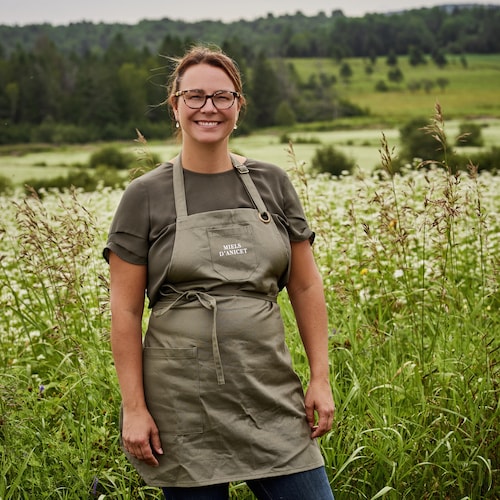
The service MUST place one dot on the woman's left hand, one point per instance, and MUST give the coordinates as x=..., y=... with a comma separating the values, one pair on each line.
x=320, y=408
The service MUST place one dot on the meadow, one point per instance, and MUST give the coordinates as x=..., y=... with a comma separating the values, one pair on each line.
x=411, y=271
x=471, y=95
x=471, y=92
x=22, y=163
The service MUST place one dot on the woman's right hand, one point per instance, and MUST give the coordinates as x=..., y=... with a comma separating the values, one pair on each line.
x=140, y=436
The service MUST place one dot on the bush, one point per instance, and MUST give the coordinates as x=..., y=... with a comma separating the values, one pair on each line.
x=6, y=185
x=76, y=178
x=111, y=156
x=80, y=178
x=299, y=139
x=381, y=86
x=486, y=160
x=416, y=142
x=470, y=134
x=332, y=161
x=109, y=177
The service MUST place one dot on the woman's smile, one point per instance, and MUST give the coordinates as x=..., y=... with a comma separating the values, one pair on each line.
x=208, y=124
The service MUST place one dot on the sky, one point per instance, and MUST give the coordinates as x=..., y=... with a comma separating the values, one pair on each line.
x=62, y=12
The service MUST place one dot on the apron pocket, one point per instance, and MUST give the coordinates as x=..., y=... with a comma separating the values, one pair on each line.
x=172, y=389
x=232, y=251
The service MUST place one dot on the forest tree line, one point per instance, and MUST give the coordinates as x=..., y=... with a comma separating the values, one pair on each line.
x=87, y=81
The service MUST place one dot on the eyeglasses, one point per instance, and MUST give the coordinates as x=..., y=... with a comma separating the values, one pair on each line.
x=196, y=99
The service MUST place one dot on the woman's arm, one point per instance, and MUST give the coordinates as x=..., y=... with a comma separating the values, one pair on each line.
x=128, y=283
x=305, y=289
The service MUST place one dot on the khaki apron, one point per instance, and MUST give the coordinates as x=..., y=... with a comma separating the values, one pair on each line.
x=218, y=377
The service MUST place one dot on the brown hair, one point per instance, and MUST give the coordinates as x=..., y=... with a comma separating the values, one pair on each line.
x=212, y=56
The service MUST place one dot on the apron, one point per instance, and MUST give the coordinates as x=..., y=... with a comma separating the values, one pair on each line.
x=218, y=377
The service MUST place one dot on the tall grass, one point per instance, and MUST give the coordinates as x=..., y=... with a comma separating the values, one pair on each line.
x=411, y=266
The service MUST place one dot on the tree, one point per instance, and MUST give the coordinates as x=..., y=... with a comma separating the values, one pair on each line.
x=416, y=56
x=12, y=93
x=392, y=59
x=414, y=86
x=381, y=86
x=264, y=93
x=345, y=72
x=395, y=75
x=131, y=92
x=442, y=82
x=439, y=58
x=284, y=114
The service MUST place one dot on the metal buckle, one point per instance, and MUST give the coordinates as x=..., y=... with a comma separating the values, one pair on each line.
x=265, y=217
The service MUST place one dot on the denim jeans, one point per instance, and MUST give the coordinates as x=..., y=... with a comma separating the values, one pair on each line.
x=309, y=485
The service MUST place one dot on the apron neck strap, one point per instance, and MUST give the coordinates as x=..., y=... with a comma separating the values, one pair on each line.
x=252, y=191
x=180, y=192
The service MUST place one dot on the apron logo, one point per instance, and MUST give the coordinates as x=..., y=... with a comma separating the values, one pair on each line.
x=232, y=249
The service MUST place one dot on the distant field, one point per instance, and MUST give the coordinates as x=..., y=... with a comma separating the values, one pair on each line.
x=473, y=91
x=360, y=144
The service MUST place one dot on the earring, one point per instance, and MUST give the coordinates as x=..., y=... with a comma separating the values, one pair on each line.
x=235, y=126
x=177, y=125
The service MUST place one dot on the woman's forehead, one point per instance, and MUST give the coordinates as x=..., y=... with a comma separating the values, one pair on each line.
x=202, y=75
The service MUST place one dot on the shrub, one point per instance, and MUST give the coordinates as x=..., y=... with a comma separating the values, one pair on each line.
x=109, y=177
x=77, y=178
x=395, y=75
x=381, y=86
x=417, y=142
x=332, y=161
x=5, y=185
x=470, y=135
x=111, y=156
x=487, y=160
x=300, y=139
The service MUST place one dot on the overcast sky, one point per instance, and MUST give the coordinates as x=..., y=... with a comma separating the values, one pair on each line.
x=57, y=12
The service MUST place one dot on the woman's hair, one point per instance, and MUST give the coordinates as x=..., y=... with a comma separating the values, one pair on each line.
x=213, y=56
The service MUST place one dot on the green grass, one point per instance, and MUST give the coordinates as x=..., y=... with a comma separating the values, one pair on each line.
x=472, y=91
x=411, y=272
x=360, y=144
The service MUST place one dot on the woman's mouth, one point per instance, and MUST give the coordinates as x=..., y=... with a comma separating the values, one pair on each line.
x=207, y=124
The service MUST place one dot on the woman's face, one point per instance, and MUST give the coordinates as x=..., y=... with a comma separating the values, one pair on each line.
x=207, y=124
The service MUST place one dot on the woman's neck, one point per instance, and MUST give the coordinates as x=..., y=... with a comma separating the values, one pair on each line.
x=208, y=160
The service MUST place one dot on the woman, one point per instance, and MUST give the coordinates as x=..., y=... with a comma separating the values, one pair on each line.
x=209, y=396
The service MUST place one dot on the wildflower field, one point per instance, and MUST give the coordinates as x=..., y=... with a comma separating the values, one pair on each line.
x=411, y=270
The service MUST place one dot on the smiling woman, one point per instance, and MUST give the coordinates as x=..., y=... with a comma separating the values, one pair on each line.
x=210, y=396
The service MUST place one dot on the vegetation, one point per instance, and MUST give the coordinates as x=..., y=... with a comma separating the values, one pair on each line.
x=101, y=82
x=409, y=255
x=470, y=135
x=329, y=160
x=411, y=274
x=443, y=29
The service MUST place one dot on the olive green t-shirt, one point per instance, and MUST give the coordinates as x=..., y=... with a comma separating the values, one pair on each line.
x=143, y=228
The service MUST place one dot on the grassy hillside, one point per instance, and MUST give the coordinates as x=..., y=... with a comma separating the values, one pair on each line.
x=472, y=94
x=472, y=91
x=361, y=144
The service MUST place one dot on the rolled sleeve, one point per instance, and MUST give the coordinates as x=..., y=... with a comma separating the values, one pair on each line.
x=129, y=232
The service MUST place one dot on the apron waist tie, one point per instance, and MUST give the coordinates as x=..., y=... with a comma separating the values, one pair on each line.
x=208, y=302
